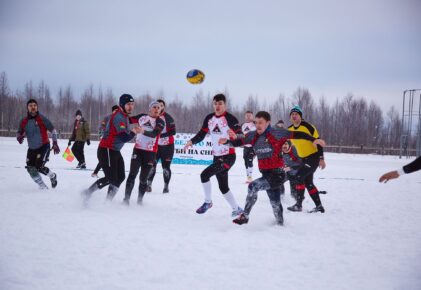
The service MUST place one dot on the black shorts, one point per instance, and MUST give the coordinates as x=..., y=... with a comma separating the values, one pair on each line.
x=165, y=153
x=275, y=177
x=38, y=157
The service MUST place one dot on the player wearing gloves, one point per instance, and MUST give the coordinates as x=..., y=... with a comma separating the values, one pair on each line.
x=35, y=127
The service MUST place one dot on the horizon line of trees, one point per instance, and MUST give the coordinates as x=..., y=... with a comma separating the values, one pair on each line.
x=349, y=121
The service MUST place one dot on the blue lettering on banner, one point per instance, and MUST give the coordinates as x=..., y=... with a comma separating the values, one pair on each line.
x=198, y=154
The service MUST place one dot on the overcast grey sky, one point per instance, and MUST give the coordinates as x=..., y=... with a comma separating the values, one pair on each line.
x=370, y=48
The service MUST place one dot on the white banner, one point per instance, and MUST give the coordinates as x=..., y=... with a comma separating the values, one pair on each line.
x=200, y=153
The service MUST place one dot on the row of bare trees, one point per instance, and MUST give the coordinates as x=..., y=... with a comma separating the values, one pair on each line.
x=348, y=121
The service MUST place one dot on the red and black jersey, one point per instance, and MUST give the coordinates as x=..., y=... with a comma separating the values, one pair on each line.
x=167, y=134
x=117, y=131
x=268, y=145
x=217, y=127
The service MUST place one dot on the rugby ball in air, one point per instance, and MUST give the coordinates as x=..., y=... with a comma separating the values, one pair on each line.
x=195, y=76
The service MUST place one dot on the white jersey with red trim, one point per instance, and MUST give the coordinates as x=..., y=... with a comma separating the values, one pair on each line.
x=145, y=142
x=217, y=127
x=246, y=128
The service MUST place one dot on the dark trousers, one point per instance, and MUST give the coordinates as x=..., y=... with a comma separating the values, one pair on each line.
x=77, y=150
x=97, y=168
x=270, y=181
x=143, y=160
x=220, y=167
x=112, y=163
x=304, y=179
x=165, y=154
x=37, y=158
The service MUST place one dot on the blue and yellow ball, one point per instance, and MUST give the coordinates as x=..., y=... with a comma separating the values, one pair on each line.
x=195, y=76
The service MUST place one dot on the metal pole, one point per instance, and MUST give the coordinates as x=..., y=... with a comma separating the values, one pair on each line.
x=402, y=125
x=418, y=152
x=410, y=111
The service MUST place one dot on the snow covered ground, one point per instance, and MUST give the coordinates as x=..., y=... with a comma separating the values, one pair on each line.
x=369, y=237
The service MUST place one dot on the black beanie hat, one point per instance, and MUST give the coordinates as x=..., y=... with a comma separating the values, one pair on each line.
x=124, y=99
x=30, y=101
x=115, y=107
x=78, y=113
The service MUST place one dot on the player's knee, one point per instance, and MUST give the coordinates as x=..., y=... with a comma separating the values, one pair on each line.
x=44, y=170
x=142, y=185
x=131, y=177
x=32, y=170
x=122, y=177
x=166, y=172
x=224, y=189
x=204, y=177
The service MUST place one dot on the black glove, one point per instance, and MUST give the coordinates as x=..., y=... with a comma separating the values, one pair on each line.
x=88, y=142
x=70, y=143
x=20, y=138
x=55, y=147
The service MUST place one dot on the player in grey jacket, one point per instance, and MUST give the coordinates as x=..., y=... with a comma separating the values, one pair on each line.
x=35, y=126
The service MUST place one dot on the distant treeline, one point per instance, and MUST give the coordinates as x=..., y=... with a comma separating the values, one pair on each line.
x=349, y=121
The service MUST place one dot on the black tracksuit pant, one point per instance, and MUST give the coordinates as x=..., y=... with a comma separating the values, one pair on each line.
x=304, y=179
x=220, y=167
x=143, y=160
x=165, y=154
x=77, y=150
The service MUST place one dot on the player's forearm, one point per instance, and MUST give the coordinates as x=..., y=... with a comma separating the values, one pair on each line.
x=198, y=137
x=411, y=167
x=302, y=135
x=125, y=137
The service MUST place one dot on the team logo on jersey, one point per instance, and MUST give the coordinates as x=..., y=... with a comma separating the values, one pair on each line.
x=122, y=125
x=216, y=129
x=148, y=124
x=246, y=129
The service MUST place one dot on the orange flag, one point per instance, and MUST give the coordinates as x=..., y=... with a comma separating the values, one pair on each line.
x=68, y=155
